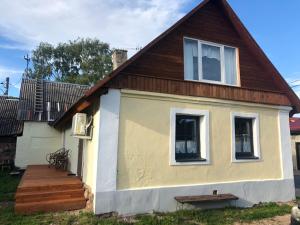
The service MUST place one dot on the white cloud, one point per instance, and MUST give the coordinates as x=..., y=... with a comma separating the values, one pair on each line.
x=4, y=71
x=121, y=23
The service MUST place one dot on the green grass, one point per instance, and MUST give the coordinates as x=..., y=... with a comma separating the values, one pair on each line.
x=8, y=186
x=184, y=217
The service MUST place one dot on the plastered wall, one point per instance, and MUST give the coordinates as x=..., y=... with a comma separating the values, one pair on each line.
x=144, y=138
x=71, y=143
x=37, y=141
x=90, y=149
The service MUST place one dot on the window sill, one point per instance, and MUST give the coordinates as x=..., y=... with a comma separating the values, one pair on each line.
x=189, y=162
x=213, y=82
x=246, y=159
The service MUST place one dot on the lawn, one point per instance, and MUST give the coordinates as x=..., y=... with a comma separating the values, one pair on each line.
x=184, y=217
x=8, y=186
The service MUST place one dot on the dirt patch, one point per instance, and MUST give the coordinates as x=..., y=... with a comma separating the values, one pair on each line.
x=278, y=220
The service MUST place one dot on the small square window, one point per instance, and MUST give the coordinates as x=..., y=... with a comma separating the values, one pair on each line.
x=189, y=137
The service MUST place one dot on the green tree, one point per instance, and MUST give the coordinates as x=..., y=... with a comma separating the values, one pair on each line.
x=83, y=61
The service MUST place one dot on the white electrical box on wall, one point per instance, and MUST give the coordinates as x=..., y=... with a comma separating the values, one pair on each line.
x=79, y=124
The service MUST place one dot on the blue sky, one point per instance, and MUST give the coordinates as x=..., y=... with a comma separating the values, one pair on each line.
x=273, y=24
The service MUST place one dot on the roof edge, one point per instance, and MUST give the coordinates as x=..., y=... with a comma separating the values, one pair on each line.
x=242, y=30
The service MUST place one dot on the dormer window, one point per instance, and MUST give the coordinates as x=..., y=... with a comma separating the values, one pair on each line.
x=209, y=62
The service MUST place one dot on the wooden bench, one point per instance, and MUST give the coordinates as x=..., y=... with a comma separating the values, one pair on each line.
x=205, y=198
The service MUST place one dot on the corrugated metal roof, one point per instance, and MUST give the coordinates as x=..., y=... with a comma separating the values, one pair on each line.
x=59, y=95
x=9, y=125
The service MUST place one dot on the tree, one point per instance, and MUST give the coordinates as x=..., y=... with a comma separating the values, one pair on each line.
x=83, y=61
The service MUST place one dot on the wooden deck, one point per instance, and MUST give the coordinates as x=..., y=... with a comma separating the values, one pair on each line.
x=44, y=189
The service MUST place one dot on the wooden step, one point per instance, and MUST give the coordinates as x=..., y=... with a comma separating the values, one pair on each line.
x=50, y=206
x=22, y=197
x=52, y=187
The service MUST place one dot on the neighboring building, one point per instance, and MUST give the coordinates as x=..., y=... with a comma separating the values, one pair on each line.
x=200, y=108
x=40, y=103
x=10, y=128
x=295, y=138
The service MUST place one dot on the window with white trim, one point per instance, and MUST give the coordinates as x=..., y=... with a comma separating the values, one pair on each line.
x=189, y=136
x=245, y=136
x=210, y=62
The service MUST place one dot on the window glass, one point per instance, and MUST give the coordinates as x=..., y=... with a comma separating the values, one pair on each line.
x=211, y=63
x=243, y=137
x=230, y=65
x=187, y=147
x=191, y=59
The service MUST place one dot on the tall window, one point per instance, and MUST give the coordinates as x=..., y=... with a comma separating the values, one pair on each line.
x=245, y=136
x=187, y=138
x=210, y=62
x=191, y=59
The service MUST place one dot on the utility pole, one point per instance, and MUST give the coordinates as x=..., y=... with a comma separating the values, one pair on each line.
x=6, y=86
x=27, y=65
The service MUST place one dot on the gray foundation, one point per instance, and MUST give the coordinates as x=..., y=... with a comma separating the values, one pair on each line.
x=129, y=202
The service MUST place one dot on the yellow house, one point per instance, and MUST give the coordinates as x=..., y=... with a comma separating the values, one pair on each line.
x=199, y=110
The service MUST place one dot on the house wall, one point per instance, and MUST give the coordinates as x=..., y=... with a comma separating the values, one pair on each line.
x=145, y=179
x=71, y=143
x=294, y=139
x=37, y=141
x=89, y=153
x=145, y=134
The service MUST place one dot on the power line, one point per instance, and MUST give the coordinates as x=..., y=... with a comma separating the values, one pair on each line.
x=295, y=81
x=5, y=86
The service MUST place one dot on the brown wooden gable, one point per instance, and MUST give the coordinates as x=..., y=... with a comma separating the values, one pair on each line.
x=158, y=67
x=165, y=58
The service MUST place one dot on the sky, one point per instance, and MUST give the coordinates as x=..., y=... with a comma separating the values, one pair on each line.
x=131, y=24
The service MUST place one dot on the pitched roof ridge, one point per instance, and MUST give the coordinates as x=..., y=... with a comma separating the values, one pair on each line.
x=149, y=45
x=238, y=26
x=8, y=96
x=56, y=82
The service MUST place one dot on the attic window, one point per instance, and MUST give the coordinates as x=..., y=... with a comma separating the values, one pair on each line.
x=210, y=62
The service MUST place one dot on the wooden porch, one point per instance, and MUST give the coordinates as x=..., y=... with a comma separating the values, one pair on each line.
x=44, y=189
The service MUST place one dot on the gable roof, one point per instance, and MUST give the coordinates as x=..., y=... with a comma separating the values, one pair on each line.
x=60, y=96
x=9, y=125
x=100, y=87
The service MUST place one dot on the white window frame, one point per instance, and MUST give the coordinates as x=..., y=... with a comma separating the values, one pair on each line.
x=222, y=61
x=204, y=135
x=255, y=128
